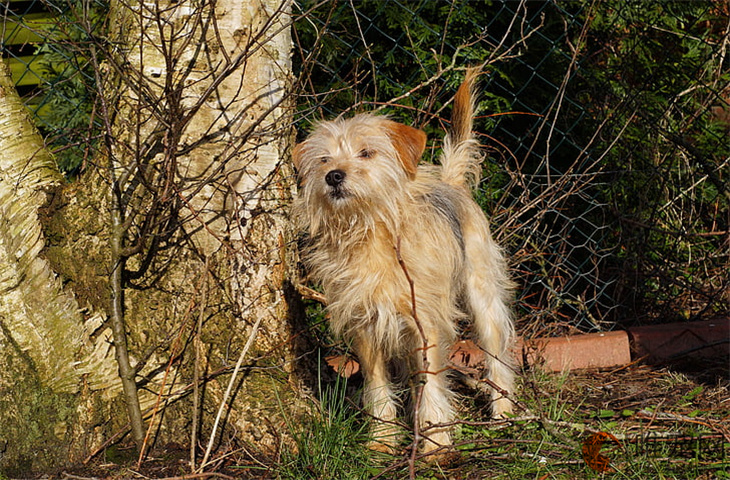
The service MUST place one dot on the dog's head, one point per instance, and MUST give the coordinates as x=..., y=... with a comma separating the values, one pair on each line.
x=358, y=165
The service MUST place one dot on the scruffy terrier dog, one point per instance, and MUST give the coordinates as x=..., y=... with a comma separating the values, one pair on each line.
x=375, y=219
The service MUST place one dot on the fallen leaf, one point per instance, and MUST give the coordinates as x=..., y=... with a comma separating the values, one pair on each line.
x=344, y=365
x=467, y=355
x=592, y=451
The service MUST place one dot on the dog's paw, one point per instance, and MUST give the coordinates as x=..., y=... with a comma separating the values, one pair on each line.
x=383, y=447
x=385, y=438
x=443, y=457
x=501, y=408
x=437, y=449
x=436, y=446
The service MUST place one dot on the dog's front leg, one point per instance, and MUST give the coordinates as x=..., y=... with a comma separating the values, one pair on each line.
x=435, y=397
x=378, y=398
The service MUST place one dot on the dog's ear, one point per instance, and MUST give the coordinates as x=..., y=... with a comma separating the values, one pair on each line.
x=409, y=143
x=297, y=153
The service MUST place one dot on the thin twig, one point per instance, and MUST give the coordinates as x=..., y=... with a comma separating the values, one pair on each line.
x=310, y=293
x=425, y=367
x=227, y=395
x=196, y=371
x=173, y=355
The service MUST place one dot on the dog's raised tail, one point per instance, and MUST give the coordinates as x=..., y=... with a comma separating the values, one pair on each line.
x=461, y=159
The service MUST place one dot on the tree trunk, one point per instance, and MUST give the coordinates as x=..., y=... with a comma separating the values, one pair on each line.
x=196, y=172
x=45, y=344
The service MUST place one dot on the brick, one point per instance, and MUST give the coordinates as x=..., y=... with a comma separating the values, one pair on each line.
x=592, y=350
x=661, y=343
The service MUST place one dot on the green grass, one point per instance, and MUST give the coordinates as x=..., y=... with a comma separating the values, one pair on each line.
x=545, y=441
x=330, y=441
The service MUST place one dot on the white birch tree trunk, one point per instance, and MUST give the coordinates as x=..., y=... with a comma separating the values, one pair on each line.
x=196, y=100
x=47, y=354
x=206, y=87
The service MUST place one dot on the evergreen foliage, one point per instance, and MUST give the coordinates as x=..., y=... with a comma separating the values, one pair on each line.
x=624, y=104
x=629, y=95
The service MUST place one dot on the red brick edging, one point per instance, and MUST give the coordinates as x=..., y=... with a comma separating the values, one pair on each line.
x=656, y=343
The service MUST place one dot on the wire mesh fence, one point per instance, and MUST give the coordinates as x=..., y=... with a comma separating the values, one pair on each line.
x=605, y=125
x=43, y=43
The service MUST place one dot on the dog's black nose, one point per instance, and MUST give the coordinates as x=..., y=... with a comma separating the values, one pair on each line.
x=335, y=178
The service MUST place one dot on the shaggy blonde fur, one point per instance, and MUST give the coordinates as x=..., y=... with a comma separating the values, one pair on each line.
x=362, y=194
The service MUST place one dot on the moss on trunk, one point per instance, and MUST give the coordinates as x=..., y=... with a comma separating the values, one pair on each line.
x=37, y=423
x=203, y=284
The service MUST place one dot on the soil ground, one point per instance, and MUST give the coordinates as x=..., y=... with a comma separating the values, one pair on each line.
x=642, y=408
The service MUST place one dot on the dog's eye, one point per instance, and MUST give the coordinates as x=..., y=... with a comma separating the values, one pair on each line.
x=324, y=159
x=366, y=153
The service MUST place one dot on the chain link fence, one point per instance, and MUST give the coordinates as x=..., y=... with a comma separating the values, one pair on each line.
x=605, y=123
x=43, y=44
